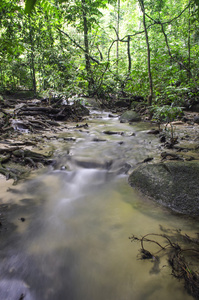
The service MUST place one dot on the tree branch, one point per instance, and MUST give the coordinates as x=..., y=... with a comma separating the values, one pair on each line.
x=78, y=45
x=155, y=22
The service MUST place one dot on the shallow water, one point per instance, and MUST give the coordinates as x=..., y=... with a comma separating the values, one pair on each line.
x=74, y=243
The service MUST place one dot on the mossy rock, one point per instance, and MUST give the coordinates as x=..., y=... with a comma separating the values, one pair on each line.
x=130, y=116
x=172, y=184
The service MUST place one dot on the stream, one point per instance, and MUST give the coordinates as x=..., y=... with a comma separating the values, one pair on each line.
x=68, y=227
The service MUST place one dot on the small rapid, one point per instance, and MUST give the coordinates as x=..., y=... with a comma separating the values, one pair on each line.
x=68, y=227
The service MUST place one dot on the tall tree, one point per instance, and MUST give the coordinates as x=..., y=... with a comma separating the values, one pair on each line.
x=150, y=96
x=86, y=26
x=85, y=14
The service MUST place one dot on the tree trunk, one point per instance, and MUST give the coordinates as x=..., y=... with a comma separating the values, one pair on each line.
x=129, y=52
x=189, y=43
x=86, y=45
x=32, y=60
x=150, y=96
x=118, y=31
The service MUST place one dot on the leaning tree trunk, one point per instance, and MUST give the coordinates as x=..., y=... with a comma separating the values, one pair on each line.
x=150, y=96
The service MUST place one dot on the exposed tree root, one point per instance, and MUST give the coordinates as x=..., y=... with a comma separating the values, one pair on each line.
x=183, y=260
x=17, y=156
x=39, y=116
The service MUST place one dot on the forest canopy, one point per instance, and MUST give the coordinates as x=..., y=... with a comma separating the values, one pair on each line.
x=148, y=48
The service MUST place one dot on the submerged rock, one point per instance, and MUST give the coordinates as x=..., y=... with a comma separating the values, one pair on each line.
x=173, y=184
x=130, y=116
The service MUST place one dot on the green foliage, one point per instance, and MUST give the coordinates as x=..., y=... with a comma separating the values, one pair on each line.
x=31, y=46
x=196, y=12
x=166, y=113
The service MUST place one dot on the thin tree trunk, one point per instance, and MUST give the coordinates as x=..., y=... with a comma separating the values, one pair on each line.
x=49, y=30
x=150, y=96
x=129, y=52
x=118, y=31
x=86, y=45
x=189, y=44
x=32, y=59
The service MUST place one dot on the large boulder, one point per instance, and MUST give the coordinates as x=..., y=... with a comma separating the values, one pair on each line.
x=173, y=184
x=130, y=116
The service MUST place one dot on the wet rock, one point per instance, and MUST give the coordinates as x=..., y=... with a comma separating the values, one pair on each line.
x=130, y=116
x=117, y=168
x=171, y=156
x=82, y=126
x=148, y=159
x=173, y=184
x=112, y=116
x=22, y=219
x=196, y=119
x=162, y=139
x=98, y=140
x=92, y=164
x=113, y=132
x=153, y=131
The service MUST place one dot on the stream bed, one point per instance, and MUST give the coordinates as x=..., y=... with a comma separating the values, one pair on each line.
x=68, y=226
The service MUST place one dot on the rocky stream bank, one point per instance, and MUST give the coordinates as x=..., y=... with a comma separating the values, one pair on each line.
x=29, y=128
x=170, y=178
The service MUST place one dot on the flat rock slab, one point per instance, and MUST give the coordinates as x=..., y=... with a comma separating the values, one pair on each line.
x=173, y=184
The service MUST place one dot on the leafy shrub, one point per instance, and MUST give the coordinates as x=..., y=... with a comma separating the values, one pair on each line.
x=166, y=113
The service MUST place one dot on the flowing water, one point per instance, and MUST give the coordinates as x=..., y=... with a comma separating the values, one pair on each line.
x=68, y=228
